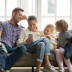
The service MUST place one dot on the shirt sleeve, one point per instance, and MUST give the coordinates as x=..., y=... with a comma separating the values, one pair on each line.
x=22, y=38
x=68, y=35
x=1, y=26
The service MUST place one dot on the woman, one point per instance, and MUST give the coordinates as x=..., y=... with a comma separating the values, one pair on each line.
x=37, y=45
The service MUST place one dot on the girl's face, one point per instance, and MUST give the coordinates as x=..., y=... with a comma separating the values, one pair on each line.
x=47, y=31
x=58, y=29
x=32, y=25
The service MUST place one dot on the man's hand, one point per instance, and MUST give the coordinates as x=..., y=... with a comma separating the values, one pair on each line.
x=29, y=40
x=24, y=17
x=0, y=44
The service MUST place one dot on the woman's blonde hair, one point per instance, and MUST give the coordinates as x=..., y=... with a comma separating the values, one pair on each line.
x=62, y=24
x=50, y=26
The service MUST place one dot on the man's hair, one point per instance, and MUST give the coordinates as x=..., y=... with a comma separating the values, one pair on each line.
x=17, y=9
x=62, y=24
x=50, y=26
x=32, y=18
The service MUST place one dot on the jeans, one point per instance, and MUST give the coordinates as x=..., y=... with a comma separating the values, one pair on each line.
x=7, y=61
x=68, y=51
x=40, y=47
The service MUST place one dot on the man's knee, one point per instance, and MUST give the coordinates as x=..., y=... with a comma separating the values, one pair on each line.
x=22, y=49
x=1, y=50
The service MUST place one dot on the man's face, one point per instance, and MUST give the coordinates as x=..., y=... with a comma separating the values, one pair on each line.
x=17, y=16
x=32, y=25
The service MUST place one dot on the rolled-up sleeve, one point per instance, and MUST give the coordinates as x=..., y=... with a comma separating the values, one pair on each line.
x=1, y=26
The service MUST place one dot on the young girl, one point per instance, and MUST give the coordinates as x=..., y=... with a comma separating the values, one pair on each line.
x=62, y=27
x=49, y=33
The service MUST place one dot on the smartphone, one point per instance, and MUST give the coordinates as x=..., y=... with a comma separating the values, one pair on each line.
x=31, y=36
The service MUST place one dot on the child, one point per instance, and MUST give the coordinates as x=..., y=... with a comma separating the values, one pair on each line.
x=49, y=33
x=62, y=27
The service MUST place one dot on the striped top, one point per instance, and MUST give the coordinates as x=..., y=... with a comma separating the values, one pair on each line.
x=62, y=38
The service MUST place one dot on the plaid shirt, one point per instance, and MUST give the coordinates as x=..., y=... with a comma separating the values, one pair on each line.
x=10, y=33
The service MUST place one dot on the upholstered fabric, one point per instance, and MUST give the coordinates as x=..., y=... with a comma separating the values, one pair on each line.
x=29, y=60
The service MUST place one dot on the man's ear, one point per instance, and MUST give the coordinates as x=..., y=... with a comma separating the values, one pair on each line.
x=13, y=14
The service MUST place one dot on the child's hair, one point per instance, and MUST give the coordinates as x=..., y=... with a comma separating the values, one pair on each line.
x=62, y=24
x=32, y=18
x=50, y=26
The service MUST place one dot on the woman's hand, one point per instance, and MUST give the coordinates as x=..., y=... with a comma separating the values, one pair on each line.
x=29, y=40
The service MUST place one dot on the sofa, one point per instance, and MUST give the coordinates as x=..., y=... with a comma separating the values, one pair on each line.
x=29, y=60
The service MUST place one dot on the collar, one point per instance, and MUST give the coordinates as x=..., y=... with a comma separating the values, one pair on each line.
x=16, y=25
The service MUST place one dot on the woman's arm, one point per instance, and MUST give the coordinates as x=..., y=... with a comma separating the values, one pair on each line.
x=22, y=37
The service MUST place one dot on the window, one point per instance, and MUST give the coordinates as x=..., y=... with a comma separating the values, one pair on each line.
x=53, y=10
x=46, y=11
x=6, y=7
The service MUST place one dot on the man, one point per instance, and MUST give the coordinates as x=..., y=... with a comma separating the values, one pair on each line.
x=9, y=32
x=35, y=44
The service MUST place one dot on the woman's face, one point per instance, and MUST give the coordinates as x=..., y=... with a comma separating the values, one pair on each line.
x=32, y=25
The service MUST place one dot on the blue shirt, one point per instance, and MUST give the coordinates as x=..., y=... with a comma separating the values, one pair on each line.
x=10, y=33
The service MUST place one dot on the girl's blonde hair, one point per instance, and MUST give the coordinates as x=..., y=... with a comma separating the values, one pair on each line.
x=62, y=24
x=49, y=26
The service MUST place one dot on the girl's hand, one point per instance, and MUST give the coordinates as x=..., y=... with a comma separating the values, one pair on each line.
x=48, y=37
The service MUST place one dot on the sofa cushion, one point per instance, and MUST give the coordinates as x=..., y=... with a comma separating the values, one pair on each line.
x=29, y=60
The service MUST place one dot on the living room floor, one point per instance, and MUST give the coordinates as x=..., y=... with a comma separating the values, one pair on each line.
x=28, y=69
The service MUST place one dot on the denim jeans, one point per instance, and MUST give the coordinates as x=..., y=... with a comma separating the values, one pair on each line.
x=68, y=51
x=40, y=47
x=7, y=61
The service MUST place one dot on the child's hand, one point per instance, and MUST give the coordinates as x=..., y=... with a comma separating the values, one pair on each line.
x=48, y=37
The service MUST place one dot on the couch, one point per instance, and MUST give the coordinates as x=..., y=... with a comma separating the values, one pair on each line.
x=29, y=60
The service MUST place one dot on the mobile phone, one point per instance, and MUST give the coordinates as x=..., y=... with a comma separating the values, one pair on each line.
x=31, y=36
